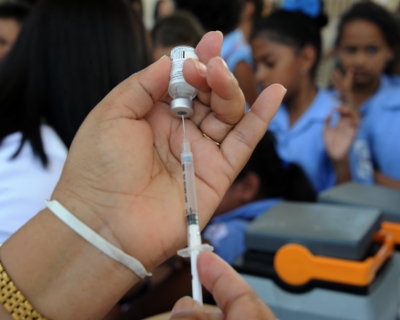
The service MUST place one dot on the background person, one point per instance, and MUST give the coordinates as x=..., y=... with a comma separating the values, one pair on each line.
x=49, y=82
x=287, y=47
x=12, y=17
x=367, y=45
x=180, y=28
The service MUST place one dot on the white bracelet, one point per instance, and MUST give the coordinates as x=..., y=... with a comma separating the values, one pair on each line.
x=96, y=240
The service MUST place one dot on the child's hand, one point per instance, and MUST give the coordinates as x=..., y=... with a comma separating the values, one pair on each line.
x=338, y=140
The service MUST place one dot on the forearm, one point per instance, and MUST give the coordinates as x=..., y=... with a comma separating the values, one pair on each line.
x=342, y=170
x=60, y=273
x=386, y=181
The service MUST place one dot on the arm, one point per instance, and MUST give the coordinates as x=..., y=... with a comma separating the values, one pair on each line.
x=129, y=189
x=55, y=269
x=342, y=170
x=386, y=181
x=245, y=76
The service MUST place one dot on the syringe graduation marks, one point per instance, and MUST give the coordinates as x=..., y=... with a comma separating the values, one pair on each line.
x=194, y=239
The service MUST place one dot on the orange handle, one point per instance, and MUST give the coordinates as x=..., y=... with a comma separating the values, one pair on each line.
x=296, y=265
x=394, y=229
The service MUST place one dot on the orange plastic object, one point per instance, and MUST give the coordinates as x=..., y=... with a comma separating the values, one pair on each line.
x=394, y=229
x=296, y=265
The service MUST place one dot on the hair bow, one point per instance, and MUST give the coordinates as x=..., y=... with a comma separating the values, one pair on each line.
x=311, y=8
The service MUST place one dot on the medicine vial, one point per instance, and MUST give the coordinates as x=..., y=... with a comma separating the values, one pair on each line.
x=180, y=91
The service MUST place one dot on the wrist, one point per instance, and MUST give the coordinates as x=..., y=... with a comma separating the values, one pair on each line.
x=56, y=269
x=116, y=223
x=340, y=162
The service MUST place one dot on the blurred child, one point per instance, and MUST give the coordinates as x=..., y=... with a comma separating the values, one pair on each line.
x=162, y=8
x=287, y=47
x=368, y=42
x=264, y=181
x=12, y=16
x=225, y=15
x=180, y=28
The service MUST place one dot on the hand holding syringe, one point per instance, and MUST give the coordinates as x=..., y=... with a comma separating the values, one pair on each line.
x=182, y=106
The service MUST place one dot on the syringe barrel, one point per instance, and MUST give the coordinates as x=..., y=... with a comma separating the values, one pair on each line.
x=189, y=185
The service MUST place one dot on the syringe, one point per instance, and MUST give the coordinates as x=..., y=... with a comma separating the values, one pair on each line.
x=194, y=238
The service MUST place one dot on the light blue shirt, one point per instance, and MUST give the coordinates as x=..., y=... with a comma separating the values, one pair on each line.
x=226, y=232
x=235, y=49
x=381, y=131
x=303, y=143
x=365, y=151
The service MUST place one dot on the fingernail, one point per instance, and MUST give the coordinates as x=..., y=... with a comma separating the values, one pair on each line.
x=184, y=305
x=228, y=72
x=201, y=68
x=222, y=35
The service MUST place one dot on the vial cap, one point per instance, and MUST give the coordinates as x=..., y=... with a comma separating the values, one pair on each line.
x=182, y=107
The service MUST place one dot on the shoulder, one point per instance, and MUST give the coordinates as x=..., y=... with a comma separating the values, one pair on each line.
x=236, y=49
x=386, y=100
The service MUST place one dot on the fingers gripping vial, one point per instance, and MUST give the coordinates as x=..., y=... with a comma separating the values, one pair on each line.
x=181, y=92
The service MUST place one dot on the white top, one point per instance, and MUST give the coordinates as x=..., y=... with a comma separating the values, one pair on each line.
x=24, y=182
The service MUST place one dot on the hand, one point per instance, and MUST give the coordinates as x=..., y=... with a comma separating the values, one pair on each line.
x=234, y=296
x=344, y=85
x=123, y=173
x=338, y=140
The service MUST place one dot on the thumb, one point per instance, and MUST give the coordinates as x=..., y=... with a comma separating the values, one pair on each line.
x=134, y=97
x=188, y=309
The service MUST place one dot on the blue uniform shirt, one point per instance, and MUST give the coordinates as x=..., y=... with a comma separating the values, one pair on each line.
x=303, y=143
x=226, y=232
x=235, y=49
x=365, y=151
x=381, y=130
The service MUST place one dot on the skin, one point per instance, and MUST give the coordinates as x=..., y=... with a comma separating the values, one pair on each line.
x=281, y=63
x=130, y=192
x=247, y=83
x=364, y=54
x=9, y=30
x=233, y=295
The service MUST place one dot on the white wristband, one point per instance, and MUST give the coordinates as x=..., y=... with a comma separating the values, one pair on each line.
x=96, y=240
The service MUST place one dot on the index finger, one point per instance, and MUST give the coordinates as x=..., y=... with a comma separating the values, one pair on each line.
x=209, y=46
x=232, y=294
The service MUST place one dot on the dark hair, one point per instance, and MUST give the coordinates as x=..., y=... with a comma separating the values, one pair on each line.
x=69, y=55
x=16, y=11
x=379, y=16
x=294, y=29
x=278, y=179
x=138, y=6
x=222, y=15
x=258, y=8
x=177, y=29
